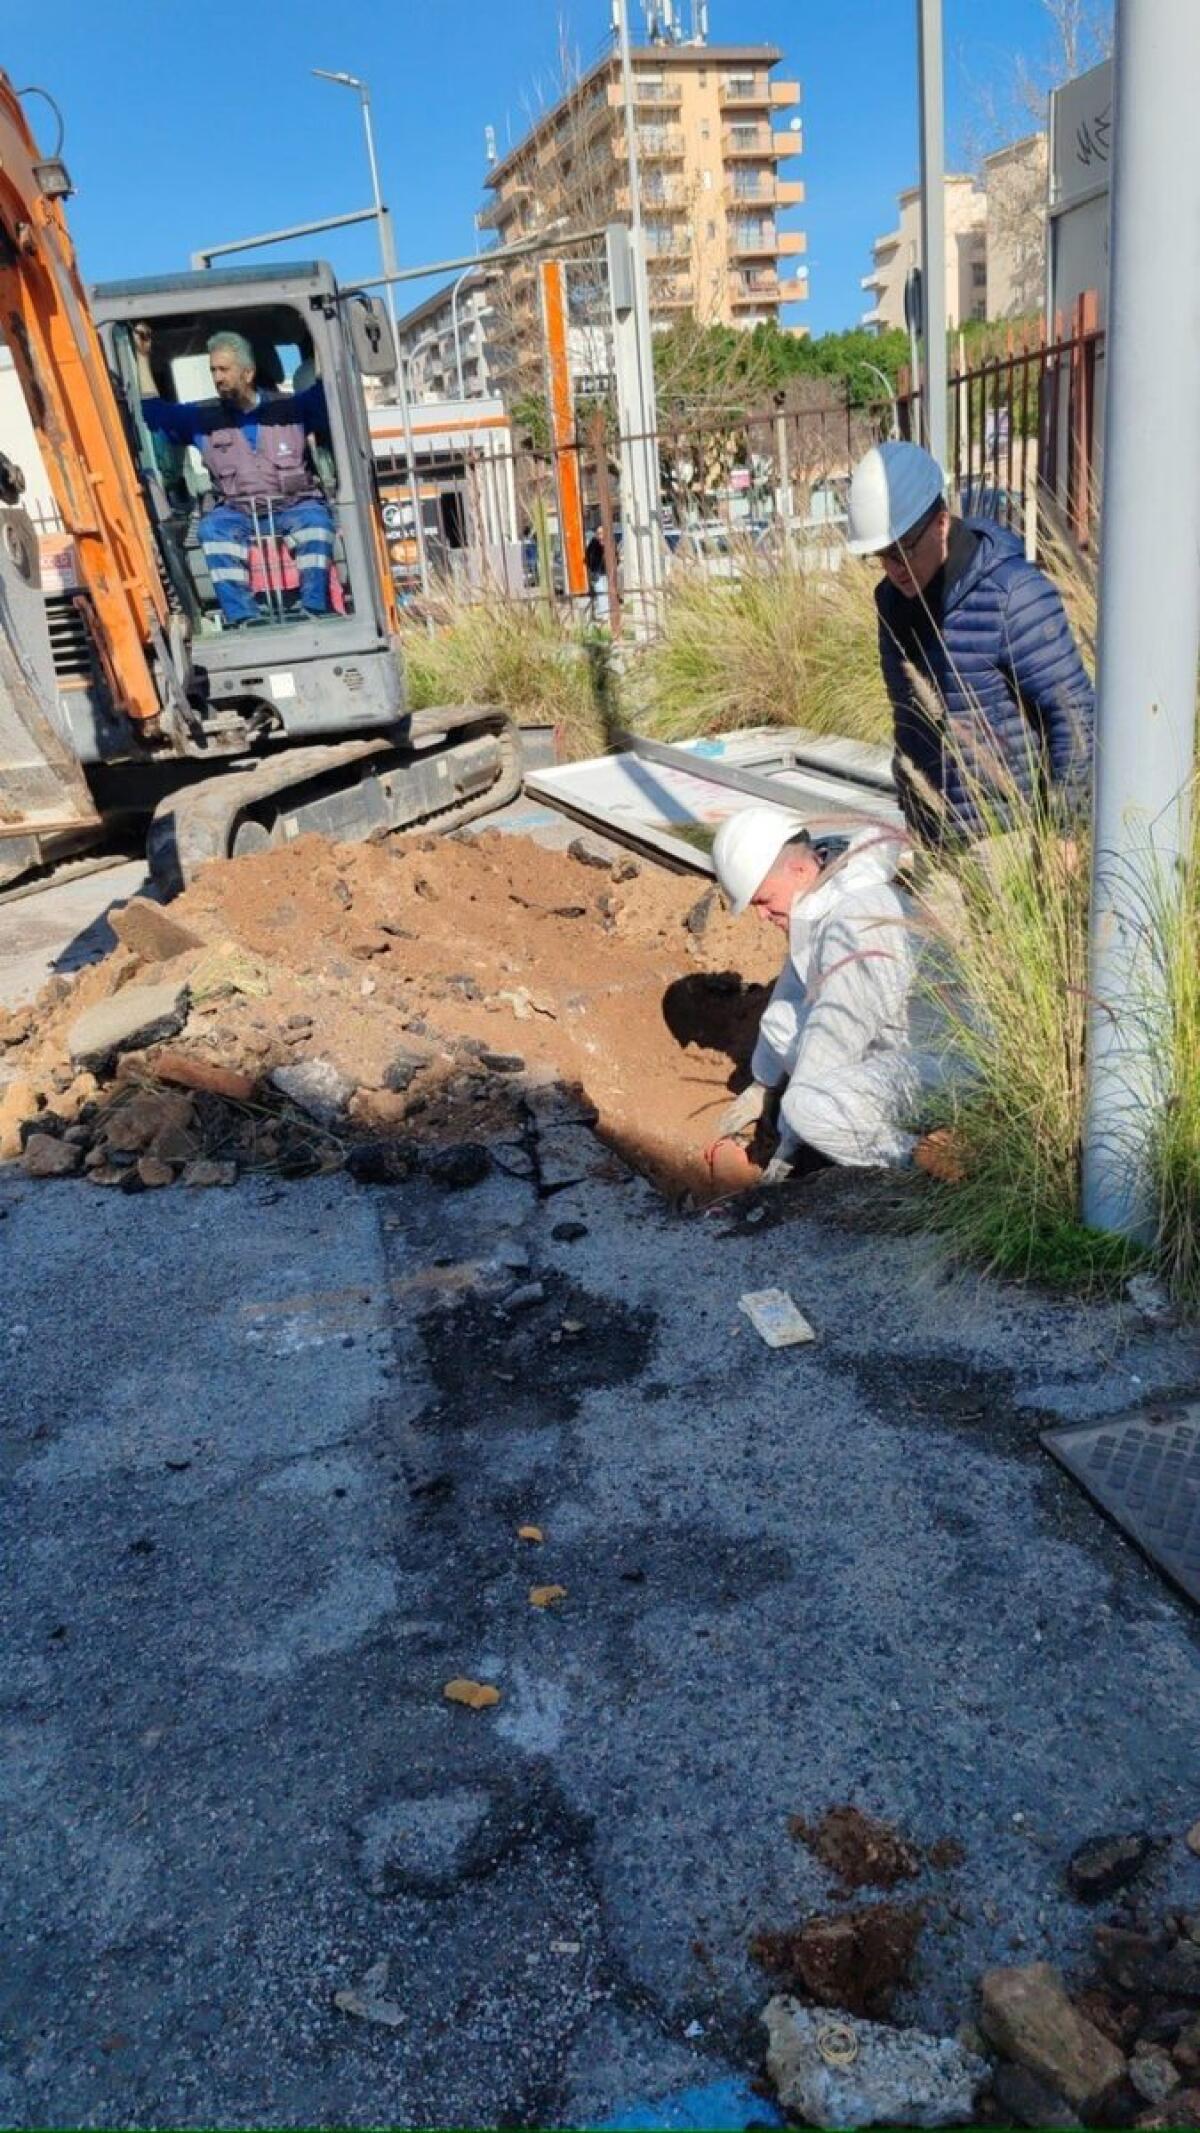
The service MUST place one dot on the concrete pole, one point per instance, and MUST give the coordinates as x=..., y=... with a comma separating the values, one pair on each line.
x=933, y=221
x=1149, y=625
x=643, y=549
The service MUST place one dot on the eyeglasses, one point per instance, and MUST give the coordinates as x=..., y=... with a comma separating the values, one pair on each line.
x=901, y=551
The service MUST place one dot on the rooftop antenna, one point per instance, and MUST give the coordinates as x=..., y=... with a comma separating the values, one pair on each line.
x=489, y=144
x=699, y=21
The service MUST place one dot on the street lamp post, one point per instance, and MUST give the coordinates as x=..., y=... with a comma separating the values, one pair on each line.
x=387, y=253
x=458, y=363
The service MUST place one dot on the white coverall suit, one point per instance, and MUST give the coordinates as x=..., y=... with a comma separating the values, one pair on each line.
x=836, y=1027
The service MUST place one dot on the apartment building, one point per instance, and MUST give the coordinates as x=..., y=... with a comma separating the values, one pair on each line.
x=712, y=145
x=446, y=341
x=966, y=257
x=995, y=242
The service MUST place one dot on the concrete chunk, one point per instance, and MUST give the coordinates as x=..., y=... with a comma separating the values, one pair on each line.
x=834, y=2069
x=316, y=1087
x=130, y=1019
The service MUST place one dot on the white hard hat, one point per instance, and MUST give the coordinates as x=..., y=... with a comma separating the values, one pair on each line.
x=746, y=847
x=893, y=485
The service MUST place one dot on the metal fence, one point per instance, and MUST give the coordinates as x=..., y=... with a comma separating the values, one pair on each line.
x=1025, y=424
x=733, y=484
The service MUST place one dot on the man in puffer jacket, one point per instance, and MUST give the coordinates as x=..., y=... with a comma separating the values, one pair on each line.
x=833, y=1043
x=991, y=702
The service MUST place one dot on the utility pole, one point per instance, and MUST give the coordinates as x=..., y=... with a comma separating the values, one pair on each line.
x=634, y=362
x=933, y=222
x=387, y=253
x=1149, y=625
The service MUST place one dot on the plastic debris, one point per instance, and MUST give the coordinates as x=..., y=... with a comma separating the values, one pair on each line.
x=775, y=1318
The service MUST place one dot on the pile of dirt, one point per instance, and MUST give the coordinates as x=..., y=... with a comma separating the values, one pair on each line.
x=861, y=1852
x=413, y=992
x=856, y=1959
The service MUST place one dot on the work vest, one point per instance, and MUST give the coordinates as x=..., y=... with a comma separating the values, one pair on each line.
x=274, y=468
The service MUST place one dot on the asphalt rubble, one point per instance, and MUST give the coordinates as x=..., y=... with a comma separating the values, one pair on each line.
x=1122, y=2049
x=432, y=1004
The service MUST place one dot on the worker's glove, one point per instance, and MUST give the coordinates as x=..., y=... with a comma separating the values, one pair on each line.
x=743, y=1114
x=779, y=1170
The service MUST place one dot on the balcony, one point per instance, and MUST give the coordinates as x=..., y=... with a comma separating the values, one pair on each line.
x=753, y=241
x=790, y=143
x=673, y=295
x=794, y=292
x=667, y=244
x=660, y=144
x=666, y=95
x=740, y=93
x=785, y=93
x=793, y=241
x=789, y=192
x=755, y=289
x=658, y=191
x=750, y=188
x=747, y=141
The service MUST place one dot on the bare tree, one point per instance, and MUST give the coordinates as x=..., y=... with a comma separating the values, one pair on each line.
x=1008, y=112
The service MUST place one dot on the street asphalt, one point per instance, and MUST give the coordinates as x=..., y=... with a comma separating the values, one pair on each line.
x=266, y=1453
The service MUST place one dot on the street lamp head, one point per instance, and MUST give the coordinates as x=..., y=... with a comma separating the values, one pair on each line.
x=348, y=81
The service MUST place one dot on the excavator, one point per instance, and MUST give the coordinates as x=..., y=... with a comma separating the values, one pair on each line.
x=127, y=701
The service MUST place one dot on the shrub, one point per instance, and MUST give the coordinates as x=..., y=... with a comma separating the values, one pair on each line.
x=510, y=652
x=777, y=646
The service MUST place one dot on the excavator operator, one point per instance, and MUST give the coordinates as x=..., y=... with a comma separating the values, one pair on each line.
x=264, y=483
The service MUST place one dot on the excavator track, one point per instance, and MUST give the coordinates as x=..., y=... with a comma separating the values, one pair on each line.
x=455, y=763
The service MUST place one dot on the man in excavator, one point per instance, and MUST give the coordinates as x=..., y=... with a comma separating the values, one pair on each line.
x=264, y=485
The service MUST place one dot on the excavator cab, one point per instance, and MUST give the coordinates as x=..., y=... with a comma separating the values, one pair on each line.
x=278, y=651
x=230, y=677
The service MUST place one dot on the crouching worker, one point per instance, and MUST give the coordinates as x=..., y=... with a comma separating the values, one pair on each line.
x=833, y=1047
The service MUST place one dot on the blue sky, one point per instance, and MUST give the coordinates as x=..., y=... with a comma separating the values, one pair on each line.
x=183, y=130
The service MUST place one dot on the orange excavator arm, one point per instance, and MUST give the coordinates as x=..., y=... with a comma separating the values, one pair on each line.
x=46, y=321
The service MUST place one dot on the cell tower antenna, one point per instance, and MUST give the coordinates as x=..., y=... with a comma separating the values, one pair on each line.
x=489, y=144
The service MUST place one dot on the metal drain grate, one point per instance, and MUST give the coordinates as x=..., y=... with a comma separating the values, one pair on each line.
x=1144, y=1470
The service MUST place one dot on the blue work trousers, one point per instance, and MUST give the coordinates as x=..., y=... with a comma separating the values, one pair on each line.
x=226, y=535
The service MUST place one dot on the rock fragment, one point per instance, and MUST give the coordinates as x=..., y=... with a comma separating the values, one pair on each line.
x=456, y=1168
x=152, y=933
x=317, y=1087
x=48, y=1157
x=1027, y=2015
x=833, y=2069
x=204, y=1173
x=1102, y=1865
x=128, y=1020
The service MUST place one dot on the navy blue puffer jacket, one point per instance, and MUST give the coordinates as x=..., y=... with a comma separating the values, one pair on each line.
x=1011, y=707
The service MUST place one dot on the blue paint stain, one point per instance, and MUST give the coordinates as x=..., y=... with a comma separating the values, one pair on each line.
x=723, y=2107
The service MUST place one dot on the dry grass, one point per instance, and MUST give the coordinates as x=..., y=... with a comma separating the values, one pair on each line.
x=777, y=646
x=509, y=652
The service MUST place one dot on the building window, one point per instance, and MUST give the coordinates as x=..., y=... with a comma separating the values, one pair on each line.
x=979, y=274
x=744, y=136
x=704, y=129
x=711, y=230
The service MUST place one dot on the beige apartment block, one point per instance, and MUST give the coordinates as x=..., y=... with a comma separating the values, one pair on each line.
x=966, y=257
x=713, y=142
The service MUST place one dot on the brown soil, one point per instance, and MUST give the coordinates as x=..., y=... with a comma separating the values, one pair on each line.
x=856, y=1959
x=861, y=1852
x=452, y=947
